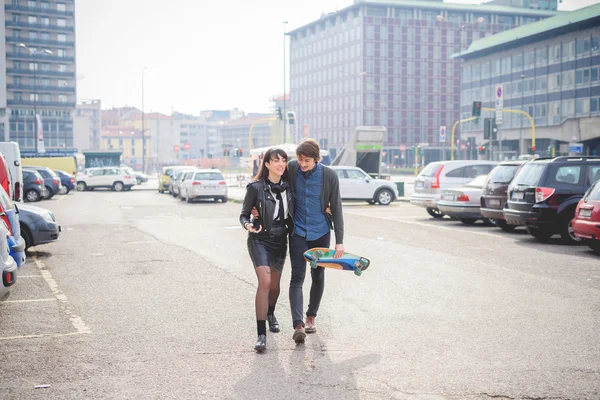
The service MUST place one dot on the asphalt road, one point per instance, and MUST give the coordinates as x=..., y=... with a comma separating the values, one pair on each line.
x=147, y=297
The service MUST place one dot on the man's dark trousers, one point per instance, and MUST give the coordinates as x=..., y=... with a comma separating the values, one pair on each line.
x=298, y=245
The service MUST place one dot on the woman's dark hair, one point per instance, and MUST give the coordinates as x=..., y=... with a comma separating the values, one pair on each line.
x=270, y=155
x=309, y=148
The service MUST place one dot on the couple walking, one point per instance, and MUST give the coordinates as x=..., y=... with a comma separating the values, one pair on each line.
x=297, y=202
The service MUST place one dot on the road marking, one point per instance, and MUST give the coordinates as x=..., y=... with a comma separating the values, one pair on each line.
x=75, y=319
x=60, y=198
x=41, y=335
x=29, y=276
x=26, y=301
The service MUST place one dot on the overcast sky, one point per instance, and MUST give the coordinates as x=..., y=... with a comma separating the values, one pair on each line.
x=199, y=54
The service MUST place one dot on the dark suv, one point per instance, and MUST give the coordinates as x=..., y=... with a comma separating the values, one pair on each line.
x=544, y=195
x=494, y=192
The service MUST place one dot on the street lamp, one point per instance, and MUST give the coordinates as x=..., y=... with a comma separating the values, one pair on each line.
x=35, y=94
x=143, y=126
x=521, y=117
x=284, y=112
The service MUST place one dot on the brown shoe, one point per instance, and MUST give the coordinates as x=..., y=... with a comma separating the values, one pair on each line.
x=310, y=325
x=299, y=334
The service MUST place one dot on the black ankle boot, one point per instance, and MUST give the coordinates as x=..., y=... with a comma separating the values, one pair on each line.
x=273, y=324
x=261, y=343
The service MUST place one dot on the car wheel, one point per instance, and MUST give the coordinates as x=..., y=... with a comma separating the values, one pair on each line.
x=594, y=245
x=32, y=196
x=504, y=225
x=468, y=221
x=488, y=222
x=160, y=191
x=63, y=190
x=139, y=181
x=540, y=234
x=173, y=194
x=118, y=186
x=435, y=213
x=188, y=199
x=68, y=190
x=26, y=236
x=81, y=187
x=224, y=199
x=384, y=197
x=50, y=192
x=371, y=202
x=567, y=234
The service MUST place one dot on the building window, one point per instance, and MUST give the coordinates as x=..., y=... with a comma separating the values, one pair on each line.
x=32, y=3
x=61, y=37
x=62, y=98
x=61, y=7
x=45, y=5
x=62, y=68
x=32, y=20
x=595, y=104
x=45, y=21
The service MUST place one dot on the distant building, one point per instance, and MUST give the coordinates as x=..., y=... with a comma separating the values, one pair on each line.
x=551, y=70
x=533, y=4
x=129, y=141
x=37, y=72
x=388, y=63
x=87, y=125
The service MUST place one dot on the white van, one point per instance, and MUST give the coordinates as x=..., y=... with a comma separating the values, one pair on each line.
x=12, y=153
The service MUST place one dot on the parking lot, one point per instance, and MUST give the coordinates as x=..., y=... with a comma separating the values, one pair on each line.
x=145, y=296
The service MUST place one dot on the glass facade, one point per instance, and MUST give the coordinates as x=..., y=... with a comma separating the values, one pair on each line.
x=382, y=65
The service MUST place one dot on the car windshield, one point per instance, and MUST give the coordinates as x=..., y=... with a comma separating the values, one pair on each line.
x=431, y=169
x=477, y=182
x=53, y=174
x=530, y=175
x=169, y=171
x=503, y=173
x=208, y=176
x=593, y=193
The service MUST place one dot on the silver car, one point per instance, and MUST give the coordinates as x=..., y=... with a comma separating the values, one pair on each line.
x=441, y=175
x=356, y=184
x=8, y=266
x=464, y=203
x=203, y=184
x=175, y=183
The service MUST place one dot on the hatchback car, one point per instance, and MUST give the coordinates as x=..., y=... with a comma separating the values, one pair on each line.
x=586, y=224
x=463, y=203
x=67, y=180
x=8, y=266
x=51, y=179
x=544, y=194
x=33, y=186
x=494, y=193
x=356, y=184
x=175, y=183
x=38, y=225
x=204, y=184
x=440, y=175
x=115, y=178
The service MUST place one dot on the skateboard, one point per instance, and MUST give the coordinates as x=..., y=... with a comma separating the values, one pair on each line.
x=323, y=257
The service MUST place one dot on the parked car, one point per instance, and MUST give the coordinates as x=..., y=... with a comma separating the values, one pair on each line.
x=33, y=186
x=140, y=177
x=545, y=193
x=12, y=152
x=356, y=184
x=440, y=175
x=9, y=212
x=51, y=179
x=67, y=180
x=8, y=266
x=494, y=193
x=175, y=183
x=464, y=202
x=169, y=173
x=5, y=176
x=204, y=184
x=38, y=225
x=586, y=224
x=115, y=178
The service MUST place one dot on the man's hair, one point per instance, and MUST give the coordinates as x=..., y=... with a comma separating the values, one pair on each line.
x=309, y=148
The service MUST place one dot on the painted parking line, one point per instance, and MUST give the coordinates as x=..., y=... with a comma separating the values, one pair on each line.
x=41, y=335
x=29, y=276
x=76, y=321
x=26, y=301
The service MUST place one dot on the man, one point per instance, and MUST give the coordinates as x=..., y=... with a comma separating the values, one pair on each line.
x=316, y=189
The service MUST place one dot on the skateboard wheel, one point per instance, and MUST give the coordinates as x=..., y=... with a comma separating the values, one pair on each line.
x=364, y=264
x=319, y=253
x=357, y=272
x=314, y=264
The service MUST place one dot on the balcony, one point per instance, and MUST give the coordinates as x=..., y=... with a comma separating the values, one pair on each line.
x=38, y=10
x=43, y=42
x=40, y=72
x=40, y=103
x=41, y=88
x=49, y=27
x=41, y=57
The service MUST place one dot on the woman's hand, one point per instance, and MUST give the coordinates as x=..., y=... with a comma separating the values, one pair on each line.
x=250, y=228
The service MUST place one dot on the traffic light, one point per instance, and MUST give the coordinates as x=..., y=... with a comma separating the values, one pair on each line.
x=291, y=117
x=235, y=152
x=481, y=149
x=490, y=129
x=476, y=109
x=240, y=152
x=225, y=153
x=279, y=114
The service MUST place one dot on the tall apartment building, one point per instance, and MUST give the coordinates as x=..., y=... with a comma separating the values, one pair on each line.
x=37, y=72
x=388, y=63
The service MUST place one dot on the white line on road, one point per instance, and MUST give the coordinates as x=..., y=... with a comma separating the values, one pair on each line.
x=41, y=335
x=25, y=301
x=28, y=276
x=75, y=319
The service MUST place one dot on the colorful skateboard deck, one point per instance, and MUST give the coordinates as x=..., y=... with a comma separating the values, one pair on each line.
x=323, y=257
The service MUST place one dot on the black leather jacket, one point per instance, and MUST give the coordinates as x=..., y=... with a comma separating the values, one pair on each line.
x=258, y=195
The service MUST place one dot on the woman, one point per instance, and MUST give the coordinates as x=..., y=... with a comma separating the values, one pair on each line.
x=271, y=195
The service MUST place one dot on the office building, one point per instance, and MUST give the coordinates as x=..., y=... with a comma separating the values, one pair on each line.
x=87, y=125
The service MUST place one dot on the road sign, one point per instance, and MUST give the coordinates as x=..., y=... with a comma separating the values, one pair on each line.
x=575, y=147
x=442, y=133
x=186, y=146
x=499, y=103
x=176, y=147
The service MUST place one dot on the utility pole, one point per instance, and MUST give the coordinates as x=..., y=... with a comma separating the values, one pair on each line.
x=143, y=127
x=284, y=110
